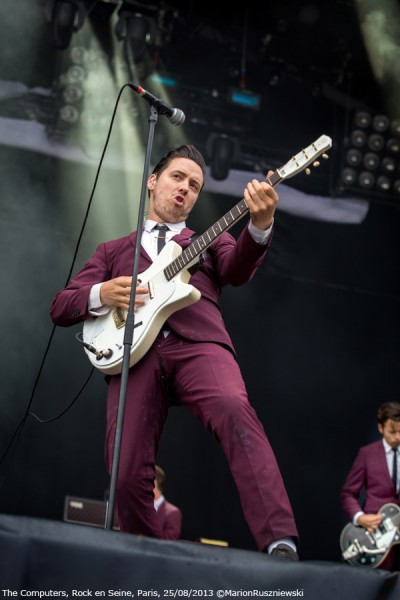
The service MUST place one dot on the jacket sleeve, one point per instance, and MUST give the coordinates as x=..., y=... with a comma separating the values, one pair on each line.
x=70, y=305
x=350, y=494
x=173, y=523
x=236, y=261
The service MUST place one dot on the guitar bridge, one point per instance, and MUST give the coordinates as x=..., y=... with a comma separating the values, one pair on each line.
x=119, y=317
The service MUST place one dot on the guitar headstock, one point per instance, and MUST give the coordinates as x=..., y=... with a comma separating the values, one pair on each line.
x=306, y=157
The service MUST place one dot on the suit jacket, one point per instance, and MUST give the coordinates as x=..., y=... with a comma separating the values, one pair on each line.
x=369, y=471
x=170, y=517
x=228, y=261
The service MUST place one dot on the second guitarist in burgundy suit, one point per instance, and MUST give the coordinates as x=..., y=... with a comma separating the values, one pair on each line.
x=169, y=515
x=192, y=361
x=372, y=473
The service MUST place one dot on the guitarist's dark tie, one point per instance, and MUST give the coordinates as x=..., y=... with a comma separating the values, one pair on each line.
x=162, y=229
x=394, y=474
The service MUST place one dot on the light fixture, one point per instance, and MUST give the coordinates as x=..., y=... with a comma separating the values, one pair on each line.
x=136, y=27
x=348, y=176
x=370, y=162
x=354, y=157
x=69, y=91
x=362, y=119
x=381, y=123
x=358, y=138
x=221, y=150
x=69, y=114
x=72, y=94
x=244, y=98
x=65, y=18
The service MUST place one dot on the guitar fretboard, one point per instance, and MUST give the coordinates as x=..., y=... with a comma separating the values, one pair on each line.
x=190, y=254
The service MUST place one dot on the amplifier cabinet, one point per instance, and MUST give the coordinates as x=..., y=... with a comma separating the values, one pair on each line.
x=86, y=512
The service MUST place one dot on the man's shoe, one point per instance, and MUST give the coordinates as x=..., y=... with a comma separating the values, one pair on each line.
x=284, y=551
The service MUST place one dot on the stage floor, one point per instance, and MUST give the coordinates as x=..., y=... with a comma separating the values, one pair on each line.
x=42, y=558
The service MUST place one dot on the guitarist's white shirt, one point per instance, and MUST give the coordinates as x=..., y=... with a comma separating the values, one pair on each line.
x=149, y=244
x=389, y=460
x=150, y=235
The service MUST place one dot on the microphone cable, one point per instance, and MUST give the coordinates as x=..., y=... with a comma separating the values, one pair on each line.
x=13, y=442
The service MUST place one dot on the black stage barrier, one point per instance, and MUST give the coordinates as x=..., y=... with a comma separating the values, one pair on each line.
x=41, y=558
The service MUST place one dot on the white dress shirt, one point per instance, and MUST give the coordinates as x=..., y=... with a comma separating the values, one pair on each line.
x=158, y=502
x=389, y=460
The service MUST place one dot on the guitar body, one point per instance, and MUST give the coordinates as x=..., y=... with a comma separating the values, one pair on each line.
x=166, y=296
x=369, y=549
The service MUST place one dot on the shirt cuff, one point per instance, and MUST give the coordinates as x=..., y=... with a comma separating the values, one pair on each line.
x=260, y=236
x=357, y=516
x=95, y=306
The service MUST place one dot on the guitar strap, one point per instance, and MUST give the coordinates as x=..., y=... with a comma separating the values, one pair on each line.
x=202, y=257
x=191, y=237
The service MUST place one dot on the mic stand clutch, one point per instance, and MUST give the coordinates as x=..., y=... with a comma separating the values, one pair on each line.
x=130, y=324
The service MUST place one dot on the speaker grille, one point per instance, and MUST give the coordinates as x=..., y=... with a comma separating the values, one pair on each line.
x=86, y=512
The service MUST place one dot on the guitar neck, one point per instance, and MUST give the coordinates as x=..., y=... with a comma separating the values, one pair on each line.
x=204, y=241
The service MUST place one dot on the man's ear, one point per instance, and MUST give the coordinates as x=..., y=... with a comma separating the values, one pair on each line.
x=151, y=181
x=380, y=428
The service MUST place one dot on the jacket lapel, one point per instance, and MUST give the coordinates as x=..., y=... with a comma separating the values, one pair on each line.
x=184, y=237
x=383, y=462
x=133, y=238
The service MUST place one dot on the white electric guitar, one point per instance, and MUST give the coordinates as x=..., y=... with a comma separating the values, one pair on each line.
x=166, y=281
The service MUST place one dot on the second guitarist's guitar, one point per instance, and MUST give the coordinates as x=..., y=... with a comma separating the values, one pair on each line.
x=364, y=548
x=167, y=282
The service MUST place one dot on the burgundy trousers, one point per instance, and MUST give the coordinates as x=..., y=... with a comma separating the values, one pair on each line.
x=205, y=378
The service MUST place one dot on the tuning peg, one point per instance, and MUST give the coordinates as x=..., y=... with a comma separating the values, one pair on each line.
x=316, y=163
x=324, y=155
x=308, y=171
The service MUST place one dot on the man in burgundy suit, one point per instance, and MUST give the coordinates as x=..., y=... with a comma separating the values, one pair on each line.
x=192, y=361
x=169, y=515
x=375, y=472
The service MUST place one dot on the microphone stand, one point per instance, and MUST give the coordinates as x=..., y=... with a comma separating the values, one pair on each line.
x=130, y=324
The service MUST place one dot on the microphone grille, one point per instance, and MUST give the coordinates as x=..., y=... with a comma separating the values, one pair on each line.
x=177, y=117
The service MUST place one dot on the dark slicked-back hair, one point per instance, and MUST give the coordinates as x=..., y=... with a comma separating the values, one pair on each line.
x=389, y=410
x=185, y=151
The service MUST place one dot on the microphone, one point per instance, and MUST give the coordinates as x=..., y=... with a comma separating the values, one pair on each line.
x=175, y=115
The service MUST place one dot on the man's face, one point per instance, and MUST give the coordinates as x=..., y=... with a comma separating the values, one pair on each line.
x=391, y=432
x=174, y=192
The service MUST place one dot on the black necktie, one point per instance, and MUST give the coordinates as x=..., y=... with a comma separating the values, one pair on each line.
x=394, y=474
x=162, y=229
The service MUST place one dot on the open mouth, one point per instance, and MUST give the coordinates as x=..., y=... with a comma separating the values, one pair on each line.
x=179, y=200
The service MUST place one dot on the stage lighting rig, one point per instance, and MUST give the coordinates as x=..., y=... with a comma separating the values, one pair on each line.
x=371, y=156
